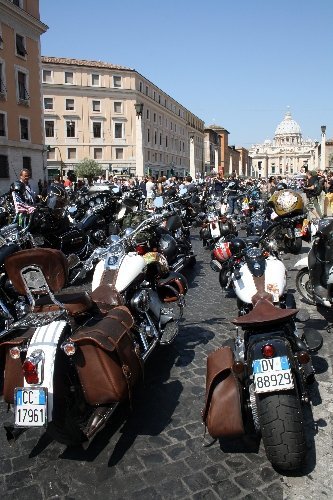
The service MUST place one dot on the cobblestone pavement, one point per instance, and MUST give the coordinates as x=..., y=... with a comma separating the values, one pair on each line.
x=157, y=452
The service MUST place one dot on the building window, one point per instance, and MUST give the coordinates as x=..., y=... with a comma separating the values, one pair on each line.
x=20, y=46
x=1, y=39
x=2, y=80
x=69, y=77
x=70, y=105
x=71, y=153
x=147, y=90
x=98, y=154
x=49, y=128
x=155, y=137
x=3, y=127
x=26, y=163
x=118, y=107
x=147, y=114
x=160, y=139
x=51, y=153
x=47, y=76
x=118, y=130
x=95, y=80
x=148, y=135
x=117, y=82
x=154, y=117
x=96, y=106
x=97, y=130
x=18, y=3
x=140, y=87
x=70, y=129
x=119, y=154
x=24, y=129
x=4, y=167
x=23, y=95
x=48, y=102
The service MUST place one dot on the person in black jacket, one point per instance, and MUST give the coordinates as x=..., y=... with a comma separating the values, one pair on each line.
x=233, y=189
x=312, y=190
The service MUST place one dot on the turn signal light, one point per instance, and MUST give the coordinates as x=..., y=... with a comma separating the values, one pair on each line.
x=15, y=352
x=303, y=357
x=30, y=371
x=238, y=367
x=69, y=348
x=268, y=351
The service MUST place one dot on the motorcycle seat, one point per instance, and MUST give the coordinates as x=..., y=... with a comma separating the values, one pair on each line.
x=263, y=313
x=74, y=303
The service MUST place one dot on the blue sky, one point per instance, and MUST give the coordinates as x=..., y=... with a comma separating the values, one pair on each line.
x=236, y=63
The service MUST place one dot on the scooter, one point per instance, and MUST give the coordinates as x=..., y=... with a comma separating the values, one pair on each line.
x=314, y=280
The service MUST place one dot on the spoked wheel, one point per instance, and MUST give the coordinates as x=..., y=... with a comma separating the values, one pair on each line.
x=304, y=286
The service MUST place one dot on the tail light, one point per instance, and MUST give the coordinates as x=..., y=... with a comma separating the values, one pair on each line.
x=141, y=249
x=268, y=351
x=33, y=368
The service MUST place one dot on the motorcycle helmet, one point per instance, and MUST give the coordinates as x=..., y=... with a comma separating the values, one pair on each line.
x=280, y=186
x=167, y=246
x=222, y=251
x=56, y=196
x=18, y=186
x=286, y=202
x=236, y=246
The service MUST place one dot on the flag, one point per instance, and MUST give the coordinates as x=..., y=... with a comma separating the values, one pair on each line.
x=20, y=206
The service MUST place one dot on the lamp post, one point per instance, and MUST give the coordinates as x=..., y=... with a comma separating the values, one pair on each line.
x=323, y=148
x=48, y=149
x=139, y=143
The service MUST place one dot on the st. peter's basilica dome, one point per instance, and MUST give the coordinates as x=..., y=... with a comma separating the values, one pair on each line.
x=288, y=126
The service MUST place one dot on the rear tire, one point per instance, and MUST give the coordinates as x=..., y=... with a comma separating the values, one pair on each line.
x=304, y=287
x=282, y=430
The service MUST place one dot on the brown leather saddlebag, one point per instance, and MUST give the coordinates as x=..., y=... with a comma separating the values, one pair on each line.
x=222, y=413
x=107, y=361
x=12, y=368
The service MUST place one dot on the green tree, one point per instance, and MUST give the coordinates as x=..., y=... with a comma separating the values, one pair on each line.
x=88, y=168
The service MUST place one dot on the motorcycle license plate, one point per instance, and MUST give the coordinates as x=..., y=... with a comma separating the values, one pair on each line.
x=272, y=374
x=30, y=406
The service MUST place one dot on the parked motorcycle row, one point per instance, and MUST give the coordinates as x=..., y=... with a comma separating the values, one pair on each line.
x=69, y=359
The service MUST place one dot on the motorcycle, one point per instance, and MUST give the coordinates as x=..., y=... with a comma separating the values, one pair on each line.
x=263, y=377
x=314, y=280
x=72, y=358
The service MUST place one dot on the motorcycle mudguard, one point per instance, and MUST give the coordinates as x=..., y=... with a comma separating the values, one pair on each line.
x=11, y=368
x=302, y=263
x=222, y=413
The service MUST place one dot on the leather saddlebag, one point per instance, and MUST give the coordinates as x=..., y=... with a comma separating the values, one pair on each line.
x=12, y=368
x=107, y=361
x=222, y=413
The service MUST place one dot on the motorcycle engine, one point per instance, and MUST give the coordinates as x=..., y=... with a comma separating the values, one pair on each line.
x=141, y=301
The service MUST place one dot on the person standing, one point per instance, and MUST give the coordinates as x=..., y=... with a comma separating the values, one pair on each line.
x=233, y=187
x=312, y=190
x=150, y=190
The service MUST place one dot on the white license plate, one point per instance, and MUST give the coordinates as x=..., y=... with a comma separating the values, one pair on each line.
x=30, y=406
x=272, y=374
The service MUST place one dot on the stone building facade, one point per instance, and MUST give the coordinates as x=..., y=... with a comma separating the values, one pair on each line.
x=286, y=154
x=116, y=116
x=21, y=128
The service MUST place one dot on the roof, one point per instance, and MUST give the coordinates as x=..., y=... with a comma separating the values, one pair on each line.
x=83, y=62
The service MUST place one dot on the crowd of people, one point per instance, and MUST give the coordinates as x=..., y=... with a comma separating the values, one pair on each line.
x=317, y=187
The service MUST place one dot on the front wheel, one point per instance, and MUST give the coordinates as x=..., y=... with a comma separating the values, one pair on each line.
x=280, y=417
x=304, y=286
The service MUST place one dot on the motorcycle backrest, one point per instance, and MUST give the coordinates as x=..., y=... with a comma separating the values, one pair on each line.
x=48, y=261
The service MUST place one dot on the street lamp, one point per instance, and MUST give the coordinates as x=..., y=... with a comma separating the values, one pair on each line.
x=138, y=108
x=323, y=129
